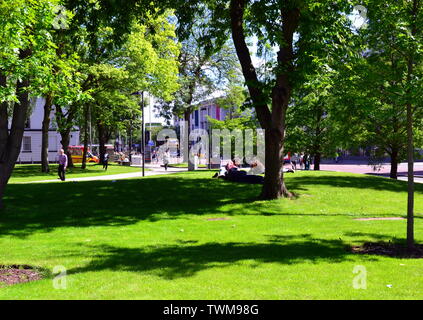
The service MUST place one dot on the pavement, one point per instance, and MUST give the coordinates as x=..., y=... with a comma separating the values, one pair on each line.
x=351, y=166
x=154, y=169
x=365, y=168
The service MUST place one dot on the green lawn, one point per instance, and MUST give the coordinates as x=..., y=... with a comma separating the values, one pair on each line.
x=32, y=172
x=151, y=238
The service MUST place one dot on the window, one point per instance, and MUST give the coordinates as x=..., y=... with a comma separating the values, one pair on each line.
x=26, y=144
x=52, y=143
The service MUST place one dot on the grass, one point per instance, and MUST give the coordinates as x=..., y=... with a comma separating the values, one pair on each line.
x=32, y=172
x=152, y=238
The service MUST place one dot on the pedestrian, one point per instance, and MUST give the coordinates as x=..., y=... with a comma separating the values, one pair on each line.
x=336, y=157
x=302, y=161
x=294, y=161
x=106, y=161
x=63, y=163
x=166, y=156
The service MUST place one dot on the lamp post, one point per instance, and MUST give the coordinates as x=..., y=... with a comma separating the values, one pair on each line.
x=141, y=93
x=142, y=134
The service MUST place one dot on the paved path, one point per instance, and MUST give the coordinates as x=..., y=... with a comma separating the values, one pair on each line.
x=153, y=170
x=364, y=168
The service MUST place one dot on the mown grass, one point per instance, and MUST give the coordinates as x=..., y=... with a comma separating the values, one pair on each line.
x=187, y=236
x=32, y=172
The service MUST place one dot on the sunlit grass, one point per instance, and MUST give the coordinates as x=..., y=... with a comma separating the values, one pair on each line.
x=188, y=236
x=32, y=172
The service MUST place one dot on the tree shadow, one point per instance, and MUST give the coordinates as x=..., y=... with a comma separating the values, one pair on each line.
x=353, y=181
x=364, y=237
x=176, y=261
x=45, y=206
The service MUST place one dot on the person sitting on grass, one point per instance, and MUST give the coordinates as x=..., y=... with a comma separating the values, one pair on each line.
x=256, y=168
x=224, y=169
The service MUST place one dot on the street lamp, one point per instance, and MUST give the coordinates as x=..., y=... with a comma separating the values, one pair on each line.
x=141, y=93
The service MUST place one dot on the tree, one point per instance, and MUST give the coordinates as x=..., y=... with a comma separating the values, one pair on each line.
x=145, y=62
x=25, y=48
x=312, y=127
x=202, y=71
x=387, y=84
x=295, y=29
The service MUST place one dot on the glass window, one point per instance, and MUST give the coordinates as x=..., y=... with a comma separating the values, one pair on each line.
x=26, y=144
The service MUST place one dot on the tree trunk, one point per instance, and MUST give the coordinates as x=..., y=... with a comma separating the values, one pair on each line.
x=394, y=164
x=317, y=159
x=102, y=142
x=410, y=184
x=65, y=135
x=12, y=148
x=410, y=138
x=272, y=121
x=4, y=117
x=45, y=130
x=187, y=118
x=3, y=184
x=84, y=153
x=274, y=185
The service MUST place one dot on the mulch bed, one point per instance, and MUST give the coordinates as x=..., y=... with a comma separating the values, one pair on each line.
x=10, y=275
x=389, y=249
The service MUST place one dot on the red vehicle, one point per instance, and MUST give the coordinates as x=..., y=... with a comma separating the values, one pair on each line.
x=287, y=158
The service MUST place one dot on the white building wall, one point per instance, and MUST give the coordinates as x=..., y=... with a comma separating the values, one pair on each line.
x=34, y=133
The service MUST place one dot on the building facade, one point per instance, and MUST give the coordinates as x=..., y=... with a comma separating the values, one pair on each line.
x=32, y=138
x=198, y=118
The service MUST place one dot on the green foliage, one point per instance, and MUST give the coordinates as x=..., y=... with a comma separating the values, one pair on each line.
x=26, y=25
x=203, y=69
x=373, y=87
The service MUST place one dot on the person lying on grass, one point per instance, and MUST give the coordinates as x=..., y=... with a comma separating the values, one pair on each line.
x=231, y=172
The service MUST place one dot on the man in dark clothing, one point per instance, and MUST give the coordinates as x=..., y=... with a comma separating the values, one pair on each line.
x=63, y=163
x=106, y=161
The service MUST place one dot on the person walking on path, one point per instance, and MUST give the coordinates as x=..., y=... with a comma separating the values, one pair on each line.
x=106, y=161
x=166, y=156
x=63, y=163
x=294, y=161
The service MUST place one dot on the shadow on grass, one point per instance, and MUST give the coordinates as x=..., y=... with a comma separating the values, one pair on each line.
x=177, y=261
x=351, y=181
x=43, y=207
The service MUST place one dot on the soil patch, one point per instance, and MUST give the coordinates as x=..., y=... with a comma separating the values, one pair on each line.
x=389, y=249
x=15, y=274
x=217, y=219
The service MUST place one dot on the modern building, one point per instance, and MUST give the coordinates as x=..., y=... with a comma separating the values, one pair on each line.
x=32, y=138
x=198, y=118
